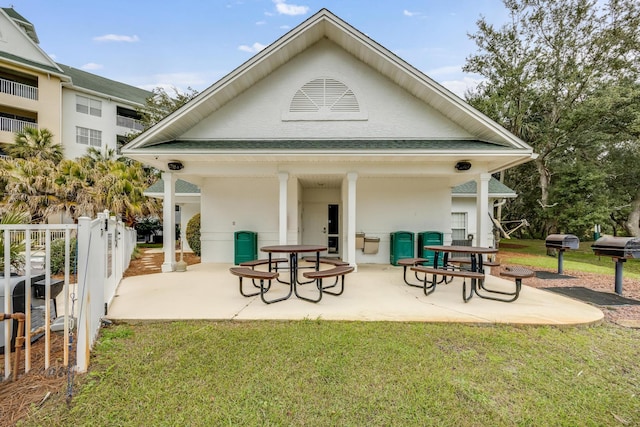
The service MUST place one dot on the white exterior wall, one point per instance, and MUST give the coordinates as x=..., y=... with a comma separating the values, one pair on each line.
x=106, y=123
x=391, y=111
x=402, y=204
x=468, y=205
x=237, y=204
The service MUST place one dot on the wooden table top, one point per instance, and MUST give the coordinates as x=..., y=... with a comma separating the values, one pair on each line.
x=293, y=248
x=462, y=249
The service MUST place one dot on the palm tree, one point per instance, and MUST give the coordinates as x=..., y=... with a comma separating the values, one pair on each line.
x=115, y=185
x=16, y=259
x=35, y=143
x=31, y=186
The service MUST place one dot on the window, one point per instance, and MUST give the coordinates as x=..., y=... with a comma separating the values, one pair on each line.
x=86, y=105
x=458, y=226
x=90, y=137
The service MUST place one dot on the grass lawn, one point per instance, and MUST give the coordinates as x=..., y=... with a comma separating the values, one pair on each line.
x=534, y=254
x=321, y=373
x=330, y=373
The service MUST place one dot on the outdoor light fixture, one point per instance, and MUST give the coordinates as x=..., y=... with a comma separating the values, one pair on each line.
x=175, y=165
x=463, y=166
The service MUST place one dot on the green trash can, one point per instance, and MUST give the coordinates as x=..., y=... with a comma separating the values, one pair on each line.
x=402, y=246
x=245, y=246
x=426, y=238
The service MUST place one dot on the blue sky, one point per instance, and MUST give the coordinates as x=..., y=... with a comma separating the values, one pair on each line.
x=193, y=43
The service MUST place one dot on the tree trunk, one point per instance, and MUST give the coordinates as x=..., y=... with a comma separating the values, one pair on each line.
x=544, y=182
x=632, y=224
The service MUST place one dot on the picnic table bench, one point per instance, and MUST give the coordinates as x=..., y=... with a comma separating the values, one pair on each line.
x=430, y=286
x=250, y=273
x=338, y=272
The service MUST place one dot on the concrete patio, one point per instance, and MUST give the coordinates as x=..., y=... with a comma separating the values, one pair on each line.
x=373, y=293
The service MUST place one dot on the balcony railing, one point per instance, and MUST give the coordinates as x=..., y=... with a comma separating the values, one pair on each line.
x=128, y=122
x=13, y=125
x=18, y=89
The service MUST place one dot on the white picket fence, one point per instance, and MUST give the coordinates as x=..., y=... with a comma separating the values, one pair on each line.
x=103, y=252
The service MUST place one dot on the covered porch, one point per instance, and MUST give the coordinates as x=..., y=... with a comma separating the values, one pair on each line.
x=373, y=293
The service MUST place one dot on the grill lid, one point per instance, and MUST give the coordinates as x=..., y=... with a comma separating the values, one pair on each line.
x=564, y=241
x=623, y=247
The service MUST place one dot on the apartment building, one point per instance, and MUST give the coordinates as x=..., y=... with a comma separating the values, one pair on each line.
x=81, y=109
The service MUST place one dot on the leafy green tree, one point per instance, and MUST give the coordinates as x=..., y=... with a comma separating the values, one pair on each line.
x=539, y=69
x=33, y=143
x=161, y=104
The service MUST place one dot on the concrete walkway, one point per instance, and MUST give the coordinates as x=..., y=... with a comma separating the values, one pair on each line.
x=373, y=293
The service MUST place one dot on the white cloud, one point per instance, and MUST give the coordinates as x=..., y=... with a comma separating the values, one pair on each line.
x=448, y=70
x=117, y=38
x=408, y=13
x=179, y=81
x=92, y=66
x=460, y=87
x=285, y=27
x=290, y=9
x=261, y=22
x=254, y=48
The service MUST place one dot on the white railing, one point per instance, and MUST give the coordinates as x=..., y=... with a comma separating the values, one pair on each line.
x=38, y=237
x=128, y=122
x=18, y=89
x=14, y=125
x=103, y=251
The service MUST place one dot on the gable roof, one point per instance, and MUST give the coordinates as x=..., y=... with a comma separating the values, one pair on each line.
x=182, y=187
x=496, y=189
x=325, y=24
x=104, y=86
x=27, y=54
x=22, y=23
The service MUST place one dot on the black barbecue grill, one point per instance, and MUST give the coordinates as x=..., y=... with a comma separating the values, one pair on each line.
x=562, y=242
x=620, y=249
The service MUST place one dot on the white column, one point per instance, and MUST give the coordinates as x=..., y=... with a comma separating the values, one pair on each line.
x=482, y=201
x=282, y=211
x=352, y=178
x=169, y=222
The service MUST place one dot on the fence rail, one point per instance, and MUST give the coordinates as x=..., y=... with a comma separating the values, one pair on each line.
x=38, y=237
x=18, y=89
x=103, y=251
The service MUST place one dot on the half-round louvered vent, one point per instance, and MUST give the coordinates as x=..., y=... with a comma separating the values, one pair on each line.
x=324, y=95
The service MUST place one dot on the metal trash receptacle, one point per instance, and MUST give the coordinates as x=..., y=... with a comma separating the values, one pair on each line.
x=245, y=245
x=371, y=245
x=402, y=245
x=429, y=238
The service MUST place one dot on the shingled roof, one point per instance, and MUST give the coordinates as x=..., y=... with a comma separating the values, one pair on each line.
x=102, y=85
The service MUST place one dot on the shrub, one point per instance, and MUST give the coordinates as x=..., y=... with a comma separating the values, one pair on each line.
x=193, y=234
x=57, y=256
